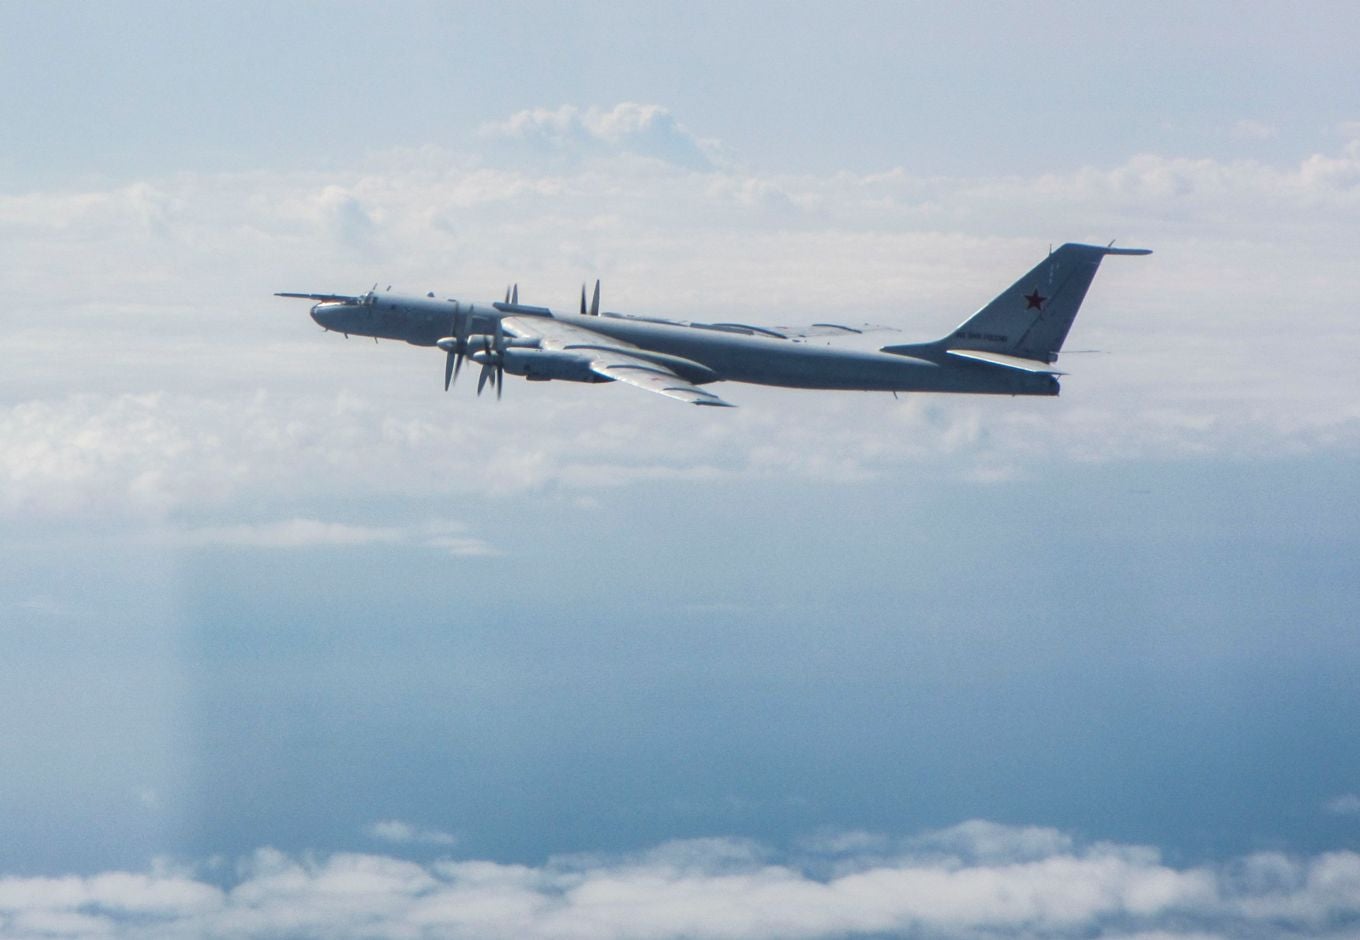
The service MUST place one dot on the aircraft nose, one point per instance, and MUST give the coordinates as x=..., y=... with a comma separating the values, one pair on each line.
x=324, y=314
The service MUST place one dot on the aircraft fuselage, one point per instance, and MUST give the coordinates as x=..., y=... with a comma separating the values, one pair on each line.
x=729, y=353
x=1007, y=347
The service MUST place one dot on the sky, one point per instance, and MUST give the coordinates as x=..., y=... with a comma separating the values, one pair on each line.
x=293, y=643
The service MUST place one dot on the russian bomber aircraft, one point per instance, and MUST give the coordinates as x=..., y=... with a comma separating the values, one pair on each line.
x=1008, y=347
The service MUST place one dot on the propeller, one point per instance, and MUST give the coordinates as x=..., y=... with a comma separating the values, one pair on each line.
x=460, y=346
x=594, y=301
x=492, y=358
x=455, y=346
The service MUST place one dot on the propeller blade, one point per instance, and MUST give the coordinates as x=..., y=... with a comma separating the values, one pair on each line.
x=453, y=359
x=488, y=371
x=595, y=301
x=507, y=293
x=583, y=299
x=514, y=295
x=498, y=344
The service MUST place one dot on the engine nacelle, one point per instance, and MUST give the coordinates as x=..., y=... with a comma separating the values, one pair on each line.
x=540, y=365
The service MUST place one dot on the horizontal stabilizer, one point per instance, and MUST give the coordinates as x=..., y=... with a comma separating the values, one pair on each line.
x=1008, y=362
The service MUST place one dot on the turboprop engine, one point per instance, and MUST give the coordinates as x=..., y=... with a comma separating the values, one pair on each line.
x=542, y=365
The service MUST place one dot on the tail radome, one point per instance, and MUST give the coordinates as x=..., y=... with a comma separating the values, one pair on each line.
x=1030, y=319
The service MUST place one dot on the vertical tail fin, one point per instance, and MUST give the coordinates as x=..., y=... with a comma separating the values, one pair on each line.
x=1030, y=319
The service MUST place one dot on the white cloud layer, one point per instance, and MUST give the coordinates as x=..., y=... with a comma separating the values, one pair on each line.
x=976, y=880
x=149, y=369
x=312, y=533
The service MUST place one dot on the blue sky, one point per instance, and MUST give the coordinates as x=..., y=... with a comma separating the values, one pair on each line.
x=291, y=642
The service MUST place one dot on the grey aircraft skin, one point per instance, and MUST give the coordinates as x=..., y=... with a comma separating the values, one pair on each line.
x=1007, y=348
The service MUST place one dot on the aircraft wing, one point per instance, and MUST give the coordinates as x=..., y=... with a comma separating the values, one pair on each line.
x=831, y=330
x=641, y=373
x=321, y=298
x=806, y=331
x=616, y=360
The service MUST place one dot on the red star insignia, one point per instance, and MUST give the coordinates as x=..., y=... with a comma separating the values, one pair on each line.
x=1034, y=300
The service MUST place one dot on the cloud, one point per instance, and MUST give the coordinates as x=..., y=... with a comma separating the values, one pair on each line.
x=153, y=374
x=400, y=833
x=1248, y=129
x=292, y=533
x=1002, y=881
x=1347, y=804
x=646, y=130
x=166, y=456
x=345, y=217
x=311, y=533
x=981, y=842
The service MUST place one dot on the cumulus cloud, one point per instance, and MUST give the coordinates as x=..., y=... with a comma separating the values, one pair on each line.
x=163, y=456
x=1347, y=804
x=401, y=833
x=999, y=882
x=646, y=130
x=345, y=216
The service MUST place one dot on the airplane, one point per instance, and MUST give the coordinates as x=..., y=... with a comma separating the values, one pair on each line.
x=1008, y=347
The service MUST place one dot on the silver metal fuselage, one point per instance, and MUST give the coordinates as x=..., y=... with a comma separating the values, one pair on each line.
x=730, y=354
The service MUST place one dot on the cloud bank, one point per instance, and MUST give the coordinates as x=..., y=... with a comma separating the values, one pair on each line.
x=629, y=128
x=151, y=370
x=978, y=879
